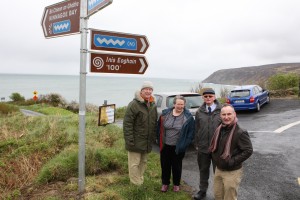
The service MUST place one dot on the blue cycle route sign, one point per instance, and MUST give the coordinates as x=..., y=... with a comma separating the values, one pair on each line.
x=61, y=27
x=121, y=42
x=107, y=41
x=96, y=5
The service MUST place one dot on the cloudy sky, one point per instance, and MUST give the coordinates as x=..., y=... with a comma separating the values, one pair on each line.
x=188, y=39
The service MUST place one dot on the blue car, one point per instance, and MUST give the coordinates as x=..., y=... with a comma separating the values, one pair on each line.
x=248, y=97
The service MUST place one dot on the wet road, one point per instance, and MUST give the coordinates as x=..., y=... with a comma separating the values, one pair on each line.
x=273, y=171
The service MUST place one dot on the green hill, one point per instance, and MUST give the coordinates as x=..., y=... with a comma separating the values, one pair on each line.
x=251, y=75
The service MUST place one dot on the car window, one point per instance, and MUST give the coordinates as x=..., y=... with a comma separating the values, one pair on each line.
x=256, y=90
x=240, y=93
x=192, y=101
x=259, y=89
x=158, y=100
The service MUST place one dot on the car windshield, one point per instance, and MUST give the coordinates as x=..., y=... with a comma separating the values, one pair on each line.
x=192, y=101
x=239, y=93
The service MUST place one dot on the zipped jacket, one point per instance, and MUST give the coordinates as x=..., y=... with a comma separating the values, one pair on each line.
x=240, y=150
x=187, y=131
x=205, y=126
x=139, y=125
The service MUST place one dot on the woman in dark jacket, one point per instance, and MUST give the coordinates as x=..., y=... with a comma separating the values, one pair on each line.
x=176, y=129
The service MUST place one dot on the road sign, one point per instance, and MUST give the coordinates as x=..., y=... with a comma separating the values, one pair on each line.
x=96, y=5
x=61, y=19
x=120, y=64
x=122, y=42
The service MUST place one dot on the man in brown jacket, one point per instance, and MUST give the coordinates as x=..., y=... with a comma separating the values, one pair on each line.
x=230, y=147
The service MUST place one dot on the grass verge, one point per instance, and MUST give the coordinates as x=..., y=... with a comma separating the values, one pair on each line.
x=39, y=160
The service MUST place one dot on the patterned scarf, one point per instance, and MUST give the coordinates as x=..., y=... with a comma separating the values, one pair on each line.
x=213, y=145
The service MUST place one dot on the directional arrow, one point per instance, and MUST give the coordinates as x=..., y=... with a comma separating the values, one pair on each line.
x=61, y=19
x=122, y=42
x=119, y=64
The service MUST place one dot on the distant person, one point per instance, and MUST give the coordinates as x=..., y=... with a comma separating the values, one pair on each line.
x=230, y=147
x=139, y=127
x=175, y=133
x=207, y=119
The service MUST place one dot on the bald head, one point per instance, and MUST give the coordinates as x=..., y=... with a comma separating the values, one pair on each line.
x=228, y=114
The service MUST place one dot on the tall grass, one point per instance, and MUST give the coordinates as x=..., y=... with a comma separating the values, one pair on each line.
x=7, y=109
x=38, y=154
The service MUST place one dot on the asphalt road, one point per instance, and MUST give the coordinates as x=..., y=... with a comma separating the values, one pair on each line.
x=273, y=171
x=30, y=113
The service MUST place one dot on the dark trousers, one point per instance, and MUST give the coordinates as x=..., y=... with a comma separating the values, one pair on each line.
x=204, y=162
x=170, y=162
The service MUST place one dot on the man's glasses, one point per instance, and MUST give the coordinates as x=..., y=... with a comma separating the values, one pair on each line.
x=208, y=96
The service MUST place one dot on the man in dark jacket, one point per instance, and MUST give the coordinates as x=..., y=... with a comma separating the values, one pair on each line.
x=207, y=119
x=139, y=128
x=230, y=147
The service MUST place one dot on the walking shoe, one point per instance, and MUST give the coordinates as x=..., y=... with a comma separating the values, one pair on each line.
x=164, y=188
x=176, y=188
x=200, y=195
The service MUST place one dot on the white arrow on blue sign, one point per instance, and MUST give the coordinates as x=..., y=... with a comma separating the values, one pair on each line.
x=61, y=27
x=122, y=42
x=115, y=42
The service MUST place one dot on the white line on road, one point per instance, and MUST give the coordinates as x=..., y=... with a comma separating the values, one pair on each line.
x=283, y=128
x=299, y=180
x=260, y=131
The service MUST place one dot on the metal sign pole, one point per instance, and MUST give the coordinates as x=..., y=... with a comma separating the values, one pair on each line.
x=82, y=95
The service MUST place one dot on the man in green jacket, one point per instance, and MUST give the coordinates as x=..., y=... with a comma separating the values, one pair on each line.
x=139, y=127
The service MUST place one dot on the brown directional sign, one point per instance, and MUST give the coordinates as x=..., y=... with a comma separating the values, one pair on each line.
x=121, y=42
x=61, y=19
x=119, y=64
x=94, y=6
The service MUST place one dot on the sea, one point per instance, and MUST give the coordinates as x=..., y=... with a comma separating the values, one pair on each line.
x=113, y=90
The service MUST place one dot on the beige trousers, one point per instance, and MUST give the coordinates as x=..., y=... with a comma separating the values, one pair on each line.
x=226, y=184
x=137, y=164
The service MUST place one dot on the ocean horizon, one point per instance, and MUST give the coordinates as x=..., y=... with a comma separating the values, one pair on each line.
x=114, y=90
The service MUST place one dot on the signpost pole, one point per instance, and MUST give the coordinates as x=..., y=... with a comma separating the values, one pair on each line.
x=82, y=95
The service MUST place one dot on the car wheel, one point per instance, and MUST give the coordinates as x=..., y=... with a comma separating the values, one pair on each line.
x=257, y=107
x=268, y=99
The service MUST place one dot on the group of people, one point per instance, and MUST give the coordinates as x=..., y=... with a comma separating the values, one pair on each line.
x=218, y=138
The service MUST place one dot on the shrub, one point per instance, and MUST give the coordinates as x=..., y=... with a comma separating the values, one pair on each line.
x=16, y=97
x=198, y=88
x=224, y=92
x=53, y=99
x=28, y=102
x=120, y=112
x=6, y=108
x=73, y=106
x=283, y=81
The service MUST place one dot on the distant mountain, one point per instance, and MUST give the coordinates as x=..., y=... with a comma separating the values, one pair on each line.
x=251, y=75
